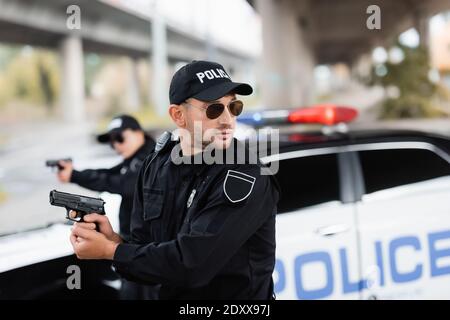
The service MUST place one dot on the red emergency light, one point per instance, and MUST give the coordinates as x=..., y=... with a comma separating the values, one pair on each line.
x=327, y=114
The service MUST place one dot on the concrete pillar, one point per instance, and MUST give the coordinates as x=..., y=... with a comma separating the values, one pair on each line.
x=72, y=79
x=287, y=63
x=158, y=80
x=133, y=94
x=421, y=21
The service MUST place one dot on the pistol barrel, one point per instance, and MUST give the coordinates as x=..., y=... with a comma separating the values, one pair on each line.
x=79, y=203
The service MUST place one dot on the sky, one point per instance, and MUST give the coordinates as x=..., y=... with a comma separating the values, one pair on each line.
x=230, y=23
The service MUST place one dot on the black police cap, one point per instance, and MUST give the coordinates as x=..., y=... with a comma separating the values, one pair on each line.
x=118, y=124
x=204, y=80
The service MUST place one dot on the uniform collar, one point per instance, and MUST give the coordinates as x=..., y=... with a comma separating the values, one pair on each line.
x=199, y=168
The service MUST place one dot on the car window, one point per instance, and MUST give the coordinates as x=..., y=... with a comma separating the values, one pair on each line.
x=307, y=181
x=384, y=169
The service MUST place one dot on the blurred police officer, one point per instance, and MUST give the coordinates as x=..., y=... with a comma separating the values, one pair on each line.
x=127, y=138
x=199, y=231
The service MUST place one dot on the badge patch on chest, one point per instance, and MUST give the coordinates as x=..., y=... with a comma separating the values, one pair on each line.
x=238, y=186
x=191, y=198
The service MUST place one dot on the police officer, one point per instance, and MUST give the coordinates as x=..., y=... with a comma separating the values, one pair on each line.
x=127, y=138
x=199, y=230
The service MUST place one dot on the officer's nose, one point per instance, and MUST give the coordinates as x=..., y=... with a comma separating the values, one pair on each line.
x=226, y=117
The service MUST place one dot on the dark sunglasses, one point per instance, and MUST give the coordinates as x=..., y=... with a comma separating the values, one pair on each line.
x=214, y=110
x=116, y=137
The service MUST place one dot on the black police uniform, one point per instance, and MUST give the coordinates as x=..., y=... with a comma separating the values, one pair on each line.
x=120, y=179
x=201, y=231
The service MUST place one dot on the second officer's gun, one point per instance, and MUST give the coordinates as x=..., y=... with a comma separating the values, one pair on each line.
x=81, y=204
x=55, y=163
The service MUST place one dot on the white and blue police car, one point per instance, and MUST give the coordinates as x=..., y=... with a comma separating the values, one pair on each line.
x=364, y=214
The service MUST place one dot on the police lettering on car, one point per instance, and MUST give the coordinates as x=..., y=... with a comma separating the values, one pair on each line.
x=364, y=213
x=199, y=230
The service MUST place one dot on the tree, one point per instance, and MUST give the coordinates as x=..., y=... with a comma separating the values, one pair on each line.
x=413, y=91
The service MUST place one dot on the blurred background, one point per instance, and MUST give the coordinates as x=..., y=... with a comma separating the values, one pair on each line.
x=61, y=83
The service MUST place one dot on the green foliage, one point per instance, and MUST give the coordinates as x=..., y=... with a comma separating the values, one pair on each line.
x=7, y=53
x=416, y=91
x=30, y=75
x=409, y=106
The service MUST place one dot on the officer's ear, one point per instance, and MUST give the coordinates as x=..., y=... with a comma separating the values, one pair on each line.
x=177, y=114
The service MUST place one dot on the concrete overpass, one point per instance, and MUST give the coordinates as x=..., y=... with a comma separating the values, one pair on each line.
x=298, y=34
x=104, y=29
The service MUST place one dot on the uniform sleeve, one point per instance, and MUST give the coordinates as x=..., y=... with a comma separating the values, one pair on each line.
x=217, y=232
x=110, y=180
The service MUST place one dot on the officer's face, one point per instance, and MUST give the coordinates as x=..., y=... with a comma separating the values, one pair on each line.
x=218, y=131
x=131, y=142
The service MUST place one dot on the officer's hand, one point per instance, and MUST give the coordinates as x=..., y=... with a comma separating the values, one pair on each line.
x=65, y=173
x=90, y=244
x=104, y=226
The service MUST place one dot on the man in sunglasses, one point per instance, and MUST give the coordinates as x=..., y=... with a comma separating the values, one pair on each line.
x=198, y=230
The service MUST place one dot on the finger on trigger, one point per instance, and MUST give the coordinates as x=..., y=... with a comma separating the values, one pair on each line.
x=73, y=214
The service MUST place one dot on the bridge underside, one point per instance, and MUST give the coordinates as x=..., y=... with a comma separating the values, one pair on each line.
x=105, y=29
x=299, y=34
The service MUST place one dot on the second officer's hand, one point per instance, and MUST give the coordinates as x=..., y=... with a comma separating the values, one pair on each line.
x=65, y=173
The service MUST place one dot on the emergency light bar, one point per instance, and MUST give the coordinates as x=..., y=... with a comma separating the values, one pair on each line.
x=264, y=118
x=326, y=114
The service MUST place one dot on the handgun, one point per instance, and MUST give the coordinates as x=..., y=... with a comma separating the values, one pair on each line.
x=55, y=163
x=82, y=205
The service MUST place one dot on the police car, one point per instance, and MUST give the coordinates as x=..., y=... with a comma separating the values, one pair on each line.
x=364, y=214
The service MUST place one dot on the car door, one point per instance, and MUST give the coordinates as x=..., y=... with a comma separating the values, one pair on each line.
x=404, y=222
x=317, y=255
